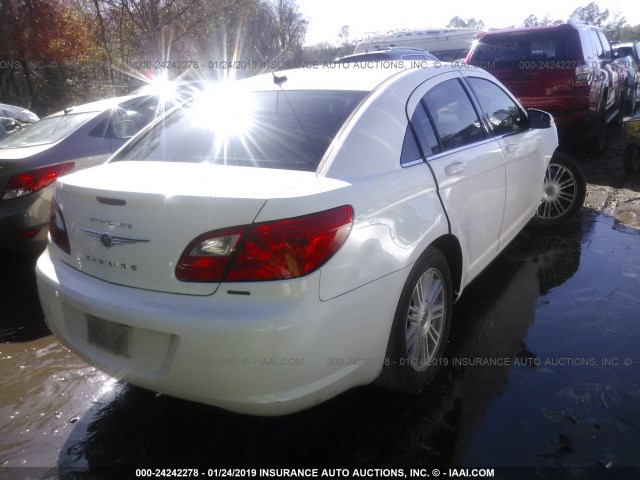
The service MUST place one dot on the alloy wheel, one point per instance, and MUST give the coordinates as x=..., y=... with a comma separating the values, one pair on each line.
x=425, y=319
x=559, y=191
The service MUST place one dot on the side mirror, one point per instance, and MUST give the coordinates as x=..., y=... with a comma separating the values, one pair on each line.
x=539, y=118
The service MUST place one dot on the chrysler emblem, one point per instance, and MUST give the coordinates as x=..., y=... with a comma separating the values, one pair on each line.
x=108, y=240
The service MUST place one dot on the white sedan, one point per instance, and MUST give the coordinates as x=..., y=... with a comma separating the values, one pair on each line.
x=287, y=237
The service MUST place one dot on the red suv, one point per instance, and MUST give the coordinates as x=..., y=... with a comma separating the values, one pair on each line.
x=564, y=69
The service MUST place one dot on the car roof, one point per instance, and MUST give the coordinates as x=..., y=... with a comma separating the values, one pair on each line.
x=563, y=27
x=390, y=53
x=334, y=76
x=99, y=105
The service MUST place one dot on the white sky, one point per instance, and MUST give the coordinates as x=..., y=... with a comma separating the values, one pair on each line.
x=326, y=17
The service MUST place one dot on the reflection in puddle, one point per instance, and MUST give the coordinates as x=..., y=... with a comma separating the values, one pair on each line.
x=45, y=391
x=536, y=376
x=585, y=338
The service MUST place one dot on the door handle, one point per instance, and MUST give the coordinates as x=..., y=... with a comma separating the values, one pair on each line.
x=454, y=168
x=511, y=148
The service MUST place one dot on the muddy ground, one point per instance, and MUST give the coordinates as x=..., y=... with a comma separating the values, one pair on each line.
x=609, y=189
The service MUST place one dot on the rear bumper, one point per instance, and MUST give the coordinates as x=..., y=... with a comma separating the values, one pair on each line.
x=276, y=350
x=568, y=111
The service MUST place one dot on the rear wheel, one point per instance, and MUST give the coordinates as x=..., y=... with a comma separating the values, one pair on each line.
x=421, y=325
x=631, y=159
x=563, y=191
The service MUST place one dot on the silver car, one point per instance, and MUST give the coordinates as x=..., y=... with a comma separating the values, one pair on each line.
x=18, y=113
x=627, y=57
x=75, y=138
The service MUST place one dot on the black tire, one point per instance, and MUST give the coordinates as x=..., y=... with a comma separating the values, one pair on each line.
x=632, y=159
x=563, y=192
x=408, y=367
x=626, y=97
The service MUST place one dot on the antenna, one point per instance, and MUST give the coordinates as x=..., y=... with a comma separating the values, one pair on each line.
x=279, y=80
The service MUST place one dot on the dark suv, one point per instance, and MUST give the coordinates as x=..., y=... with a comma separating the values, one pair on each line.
x=564, y=69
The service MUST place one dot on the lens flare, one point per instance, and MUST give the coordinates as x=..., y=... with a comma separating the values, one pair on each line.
x=224, y=109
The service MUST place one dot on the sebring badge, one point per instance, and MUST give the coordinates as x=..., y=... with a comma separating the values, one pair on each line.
x=108, y=240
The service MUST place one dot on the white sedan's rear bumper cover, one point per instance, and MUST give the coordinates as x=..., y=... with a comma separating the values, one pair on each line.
x=267, y=348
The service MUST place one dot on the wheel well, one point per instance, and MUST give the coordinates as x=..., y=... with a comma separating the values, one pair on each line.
x=450, y=248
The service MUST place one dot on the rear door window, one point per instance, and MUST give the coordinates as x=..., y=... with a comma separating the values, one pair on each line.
x=455, y=119
x=502, y=114
x=420, y=131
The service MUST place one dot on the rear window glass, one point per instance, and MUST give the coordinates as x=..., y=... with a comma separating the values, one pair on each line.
x=274, y=129
x=624, y=51
x=511, y=49
x=47, y=130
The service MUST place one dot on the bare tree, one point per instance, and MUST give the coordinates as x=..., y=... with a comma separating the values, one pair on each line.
x=153, y=26
x=291, y=26
x=105, y=43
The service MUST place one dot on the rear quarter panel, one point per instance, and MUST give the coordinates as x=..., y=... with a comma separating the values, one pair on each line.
x=397, y=211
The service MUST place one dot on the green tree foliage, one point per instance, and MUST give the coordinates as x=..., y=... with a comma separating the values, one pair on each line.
x=534, y=21
x=591, y=14
x=458, y=22
x=614, y=25
x=47, y=52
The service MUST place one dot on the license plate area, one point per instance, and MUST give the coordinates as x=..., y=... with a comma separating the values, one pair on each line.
x=112, y=337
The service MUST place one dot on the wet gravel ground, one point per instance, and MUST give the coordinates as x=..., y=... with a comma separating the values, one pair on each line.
x=609, y=189
x=542, y=377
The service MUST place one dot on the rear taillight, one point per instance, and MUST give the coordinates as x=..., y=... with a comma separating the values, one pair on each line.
x=208, y=256
x=34, y=180
x=275, y=250
x=58, y=229
x=583, y=75
x=26, y=234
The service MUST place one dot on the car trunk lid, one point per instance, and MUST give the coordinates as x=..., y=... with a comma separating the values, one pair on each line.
x=129, y=222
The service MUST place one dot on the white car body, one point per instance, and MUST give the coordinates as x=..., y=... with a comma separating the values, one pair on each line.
x=276, y=347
